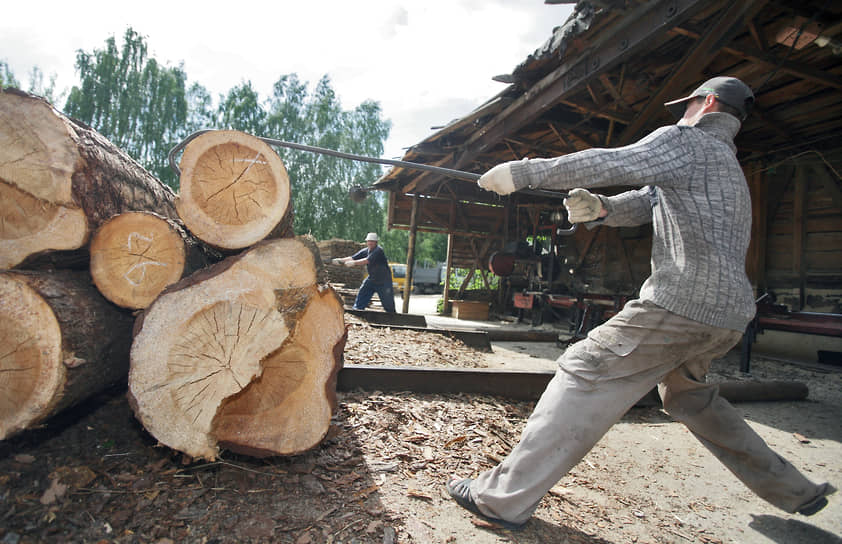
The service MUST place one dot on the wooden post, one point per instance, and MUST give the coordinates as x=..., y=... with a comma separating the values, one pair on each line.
x=410, y=254
x=446, y=308
x=799, y=233
x=756, y=258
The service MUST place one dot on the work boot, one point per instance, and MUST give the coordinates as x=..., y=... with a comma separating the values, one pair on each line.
x=820, y=501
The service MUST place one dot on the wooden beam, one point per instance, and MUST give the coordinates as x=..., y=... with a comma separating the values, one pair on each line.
x=799, y=233
x=623, y=41
x=448, y=267
x=410, y=254
x=561, y=138
x=766, y=58
x=759, y=39
x=830, y=185
x=610, y=115
x=729, y=21
x=756, y=256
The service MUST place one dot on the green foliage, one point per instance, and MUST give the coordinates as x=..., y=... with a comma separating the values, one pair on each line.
x=146, y=109
x=458, y=275
x=37, y=86
x=7, y=78
x=321, y=182
x=135, y=102
x=430, y=247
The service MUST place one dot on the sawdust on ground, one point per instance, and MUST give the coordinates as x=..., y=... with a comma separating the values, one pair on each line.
x=94, y=475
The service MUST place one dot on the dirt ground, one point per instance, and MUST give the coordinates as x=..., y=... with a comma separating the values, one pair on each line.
x=94, y=475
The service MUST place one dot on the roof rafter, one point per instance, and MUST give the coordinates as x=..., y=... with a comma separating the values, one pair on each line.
x=636, y=28
x=731, y=20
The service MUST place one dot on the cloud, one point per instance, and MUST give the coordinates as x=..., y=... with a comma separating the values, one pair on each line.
x=425, y=62
x=399, y=18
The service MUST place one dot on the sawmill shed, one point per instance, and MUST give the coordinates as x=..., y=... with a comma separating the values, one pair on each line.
x=601, y=80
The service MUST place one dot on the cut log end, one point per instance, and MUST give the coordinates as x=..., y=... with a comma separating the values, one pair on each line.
x=216, y=352
x=62, y=343
x=288, y=410
x=36, y=151
x=234, y=189
x=29, y=226
x=134, y=256
x=31, y=369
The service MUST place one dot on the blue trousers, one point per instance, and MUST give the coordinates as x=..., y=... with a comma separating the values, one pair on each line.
x=383, y=290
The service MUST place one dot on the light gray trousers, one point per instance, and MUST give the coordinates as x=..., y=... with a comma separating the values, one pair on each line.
x=601, y=377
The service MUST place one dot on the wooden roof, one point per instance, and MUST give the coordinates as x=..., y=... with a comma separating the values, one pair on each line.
x=601, y=81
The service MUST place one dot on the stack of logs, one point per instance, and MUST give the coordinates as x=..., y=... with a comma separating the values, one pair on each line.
x=204, y=301
x=349, y=277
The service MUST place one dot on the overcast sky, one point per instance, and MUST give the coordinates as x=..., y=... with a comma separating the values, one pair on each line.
x=426, y=61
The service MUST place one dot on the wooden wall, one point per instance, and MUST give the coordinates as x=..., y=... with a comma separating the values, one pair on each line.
x=797, y=239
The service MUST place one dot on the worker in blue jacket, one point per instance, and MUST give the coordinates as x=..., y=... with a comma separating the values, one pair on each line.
x=379, y=278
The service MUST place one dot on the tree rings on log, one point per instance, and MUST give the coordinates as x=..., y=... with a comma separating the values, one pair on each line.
x=285, y=411
x=60, y=180
x=243, y=353
x=234, y=189
x=62, y=343
x=135, y=255
x=37, y=212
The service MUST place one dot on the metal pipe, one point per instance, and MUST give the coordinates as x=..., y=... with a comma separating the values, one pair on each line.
x=457, y=174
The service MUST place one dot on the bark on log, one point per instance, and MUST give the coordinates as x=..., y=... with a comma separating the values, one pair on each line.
x=242, y=354
x=234, y=190
x=62, y=343
x=60, y=180
x=135, y=255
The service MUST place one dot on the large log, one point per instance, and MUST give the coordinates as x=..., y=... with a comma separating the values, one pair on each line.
x=60, y=180
x=135, y=255
x=234, y=190
x=242, y=354
x=62, y=342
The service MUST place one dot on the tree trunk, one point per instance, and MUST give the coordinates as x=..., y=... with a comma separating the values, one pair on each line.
x=242, y=354
x=135, y=255
x=62, y=342
x=234, y=190
x=60, y=180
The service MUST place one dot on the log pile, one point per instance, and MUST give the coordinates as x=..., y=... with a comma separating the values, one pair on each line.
x=204, y=303
x=350, y=277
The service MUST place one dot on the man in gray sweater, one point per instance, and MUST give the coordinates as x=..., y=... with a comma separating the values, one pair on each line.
x=692, y=309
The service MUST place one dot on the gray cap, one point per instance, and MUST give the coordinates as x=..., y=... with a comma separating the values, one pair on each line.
x=728, y=90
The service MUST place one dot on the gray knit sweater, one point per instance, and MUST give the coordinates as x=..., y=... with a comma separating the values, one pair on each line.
x=694, y=193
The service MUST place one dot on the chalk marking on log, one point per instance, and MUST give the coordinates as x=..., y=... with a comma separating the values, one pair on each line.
x=141, y=266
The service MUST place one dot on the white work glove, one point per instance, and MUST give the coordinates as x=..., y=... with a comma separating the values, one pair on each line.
x=582, y=206
x=336, y=261
x=498, y=179
x=348, y=263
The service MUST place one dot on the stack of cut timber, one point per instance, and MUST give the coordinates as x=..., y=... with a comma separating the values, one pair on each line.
x=350, y=277
x=240, y=352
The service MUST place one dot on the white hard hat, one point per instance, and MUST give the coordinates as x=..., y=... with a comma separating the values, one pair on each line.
x=371, y=237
